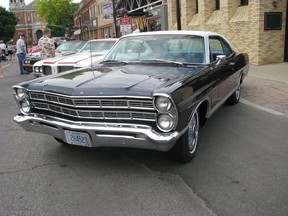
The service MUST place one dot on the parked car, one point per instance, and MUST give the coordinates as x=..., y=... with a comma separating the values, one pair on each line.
x=153, y=90
x=90, y=54
x=66, y=48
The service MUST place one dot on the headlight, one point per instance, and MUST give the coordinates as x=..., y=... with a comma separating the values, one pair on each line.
x=25, y=106
x=163, y=104
x=21, y=94
x=165, y=122
x=27, y=62
x=38, y=69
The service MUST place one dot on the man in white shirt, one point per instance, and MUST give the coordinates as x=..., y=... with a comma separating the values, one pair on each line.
x=2, y=45
x=21, y=52
x=135, y=29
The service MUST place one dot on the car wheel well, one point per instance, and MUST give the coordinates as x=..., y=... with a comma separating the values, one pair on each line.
x=241, y=78
x=202, y=110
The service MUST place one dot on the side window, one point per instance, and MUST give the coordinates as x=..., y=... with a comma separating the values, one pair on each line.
x=227, y=49
x=219, y=46
x=215, y=48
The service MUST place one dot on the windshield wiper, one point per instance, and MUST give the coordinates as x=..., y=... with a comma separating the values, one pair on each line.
x=160, y=61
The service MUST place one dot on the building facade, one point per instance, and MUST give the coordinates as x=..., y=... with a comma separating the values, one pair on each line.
x=254, y=26
x=28, y=21
x=257, y=27
x=94, y=19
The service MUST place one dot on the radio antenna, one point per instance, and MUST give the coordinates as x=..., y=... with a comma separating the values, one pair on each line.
x=91, y=53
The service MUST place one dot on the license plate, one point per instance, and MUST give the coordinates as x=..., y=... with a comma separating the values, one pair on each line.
x=77, y=138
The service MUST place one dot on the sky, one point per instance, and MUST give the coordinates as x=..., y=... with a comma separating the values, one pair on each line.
x=5, y=3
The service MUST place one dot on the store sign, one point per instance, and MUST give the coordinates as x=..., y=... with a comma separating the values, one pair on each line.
x=125, y=24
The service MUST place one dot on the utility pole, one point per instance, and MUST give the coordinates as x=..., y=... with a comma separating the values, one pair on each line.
x=178, y=14
x=114, y=17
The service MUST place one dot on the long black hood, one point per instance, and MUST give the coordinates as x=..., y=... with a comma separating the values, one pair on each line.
x=129, y=80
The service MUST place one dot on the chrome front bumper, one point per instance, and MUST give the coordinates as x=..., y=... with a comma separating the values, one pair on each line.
x=101, y=134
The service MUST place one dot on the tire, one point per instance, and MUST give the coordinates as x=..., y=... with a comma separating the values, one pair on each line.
x=235, y=97
x=185, y=149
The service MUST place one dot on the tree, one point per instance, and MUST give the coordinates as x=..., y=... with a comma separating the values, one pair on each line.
x=58, y=13
x=8, y=21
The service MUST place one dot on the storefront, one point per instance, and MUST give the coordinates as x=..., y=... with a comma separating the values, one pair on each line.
x=148, y=15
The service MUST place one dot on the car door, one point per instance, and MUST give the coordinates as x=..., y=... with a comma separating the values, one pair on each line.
x=224, y=71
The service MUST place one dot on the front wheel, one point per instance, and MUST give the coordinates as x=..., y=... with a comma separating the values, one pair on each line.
x=185, y=149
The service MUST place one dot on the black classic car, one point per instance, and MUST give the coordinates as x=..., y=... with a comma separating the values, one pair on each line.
x=152, y=90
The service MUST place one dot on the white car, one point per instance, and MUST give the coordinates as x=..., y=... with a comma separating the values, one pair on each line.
x=91, y=54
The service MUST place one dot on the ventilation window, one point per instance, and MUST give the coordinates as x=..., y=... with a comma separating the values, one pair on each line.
x=244, y=2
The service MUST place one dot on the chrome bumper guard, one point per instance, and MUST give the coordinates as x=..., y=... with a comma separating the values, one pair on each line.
x=101, y=134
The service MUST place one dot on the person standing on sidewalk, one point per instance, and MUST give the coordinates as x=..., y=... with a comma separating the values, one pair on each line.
x=46, y=45
x=21, y=52
x=1, y=70
x=135, y=29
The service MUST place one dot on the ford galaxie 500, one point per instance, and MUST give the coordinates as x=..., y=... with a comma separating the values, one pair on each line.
x=152, y=90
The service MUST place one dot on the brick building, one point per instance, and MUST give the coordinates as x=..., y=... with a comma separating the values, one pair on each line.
x=28, y=22
x=94, y=19
x=254, y=26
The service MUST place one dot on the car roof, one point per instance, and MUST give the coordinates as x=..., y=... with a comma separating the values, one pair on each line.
x=105, y=39
x=198, y=33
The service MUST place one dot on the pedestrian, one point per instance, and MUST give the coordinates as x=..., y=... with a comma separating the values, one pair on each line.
x=56, y=41
x=10, y=50
x=21, y=52
x=135, y=28
x=2, y=45
x=46, y=45
x=1, y=70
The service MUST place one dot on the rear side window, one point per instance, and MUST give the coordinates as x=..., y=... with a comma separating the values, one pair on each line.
x=218, y=46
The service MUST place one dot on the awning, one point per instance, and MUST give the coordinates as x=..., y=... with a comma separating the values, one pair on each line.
x=77, y=32
x=136, y=7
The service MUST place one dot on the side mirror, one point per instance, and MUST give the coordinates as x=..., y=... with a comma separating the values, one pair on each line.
x=219, y=59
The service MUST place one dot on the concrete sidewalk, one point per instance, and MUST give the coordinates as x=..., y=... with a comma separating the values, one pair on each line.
x=266, y=87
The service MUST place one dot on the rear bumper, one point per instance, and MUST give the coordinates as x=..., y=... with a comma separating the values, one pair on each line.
x=101, y=134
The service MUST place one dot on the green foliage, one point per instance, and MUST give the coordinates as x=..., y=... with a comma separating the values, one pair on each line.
x=8, y=21
x=58, y=13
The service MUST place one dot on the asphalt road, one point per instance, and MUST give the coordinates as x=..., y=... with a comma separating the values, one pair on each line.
x=240, y=169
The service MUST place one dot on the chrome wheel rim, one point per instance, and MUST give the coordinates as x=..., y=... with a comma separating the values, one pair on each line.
x=238, y=90
x=193, y=132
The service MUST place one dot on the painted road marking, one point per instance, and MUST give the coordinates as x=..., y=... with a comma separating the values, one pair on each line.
x=261, y=107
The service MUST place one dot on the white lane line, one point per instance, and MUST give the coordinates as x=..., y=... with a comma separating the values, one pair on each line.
x=261, y=107
x=6, y=65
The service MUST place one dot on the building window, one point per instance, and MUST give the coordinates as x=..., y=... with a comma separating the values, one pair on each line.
x=217, y=5
x=244, y=2
x=197, y=6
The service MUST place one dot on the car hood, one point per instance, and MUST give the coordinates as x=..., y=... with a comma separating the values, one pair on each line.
x=90, y=62
x=129, y=80
x=74, y=59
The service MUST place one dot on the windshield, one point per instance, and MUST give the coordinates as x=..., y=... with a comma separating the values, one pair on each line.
x=172, y=48
x=70, y=46
x=97, y=46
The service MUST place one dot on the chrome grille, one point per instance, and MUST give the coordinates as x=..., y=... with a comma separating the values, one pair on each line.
x=125, y=103
x=64, y=68
x=91, y=114
x=47, y=70
x=95, y=108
